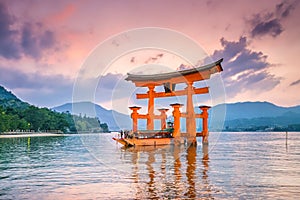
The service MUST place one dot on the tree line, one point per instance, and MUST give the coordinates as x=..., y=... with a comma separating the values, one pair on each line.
x=37, y=119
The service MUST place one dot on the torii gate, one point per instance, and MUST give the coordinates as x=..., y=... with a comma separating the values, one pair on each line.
x=169, y=81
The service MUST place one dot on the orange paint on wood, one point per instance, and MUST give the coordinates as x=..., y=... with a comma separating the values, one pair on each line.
x=204, y=123
x=134, y=116
x=163, y=117
x=203, y=90
x=176, y=114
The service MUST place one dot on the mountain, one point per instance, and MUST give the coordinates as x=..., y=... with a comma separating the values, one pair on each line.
x=114, y=119
x=250, y=116
x=239, y=116
x=248, y=110
x=8, y=99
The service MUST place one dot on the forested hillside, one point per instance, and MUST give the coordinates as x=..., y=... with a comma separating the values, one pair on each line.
x=16, y=115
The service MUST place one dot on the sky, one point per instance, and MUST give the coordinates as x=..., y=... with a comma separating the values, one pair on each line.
x=46, y=45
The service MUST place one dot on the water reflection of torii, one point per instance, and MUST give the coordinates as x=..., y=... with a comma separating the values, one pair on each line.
x=170, y=182
x=192, y=191
x=150, y=151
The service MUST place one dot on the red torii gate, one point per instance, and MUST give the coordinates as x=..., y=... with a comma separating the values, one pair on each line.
x=169, y=81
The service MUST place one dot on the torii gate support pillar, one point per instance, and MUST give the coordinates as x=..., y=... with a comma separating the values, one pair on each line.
x=134, y=116
x=205, y=132
x=176, y=114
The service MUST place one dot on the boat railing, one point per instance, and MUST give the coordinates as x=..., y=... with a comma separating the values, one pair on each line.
x=166, y=133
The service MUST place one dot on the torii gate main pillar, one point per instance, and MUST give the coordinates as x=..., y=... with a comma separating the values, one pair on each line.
x=150, y=120
x=190, y=113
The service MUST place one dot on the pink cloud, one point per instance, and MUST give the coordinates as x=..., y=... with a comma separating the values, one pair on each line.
x=63, y=15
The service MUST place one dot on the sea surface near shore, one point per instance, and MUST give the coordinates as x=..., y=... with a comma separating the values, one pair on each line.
x=92, y=166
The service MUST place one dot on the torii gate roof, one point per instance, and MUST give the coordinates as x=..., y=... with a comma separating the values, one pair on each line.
x=194, y=74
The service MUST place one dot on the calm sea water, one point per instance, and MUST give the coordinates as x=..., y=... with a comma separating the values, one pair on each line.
x=93, y=166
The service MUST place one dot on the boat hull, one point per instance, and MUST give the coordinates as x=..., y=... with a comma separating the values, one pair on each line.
x=144, y=141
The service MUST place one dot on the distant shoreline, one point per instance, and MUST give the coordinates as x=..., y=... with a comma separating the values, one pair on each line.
x=28, y=134
x=44, y=134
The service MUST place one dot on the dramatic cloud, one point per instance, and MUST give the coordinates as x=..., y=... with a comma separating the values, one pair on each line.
x=284, y=9
x=40, y=89
x=9, y=47
x=113, y=86
x=30, y=38
x=34, y=41
x=295, y=83
x=270, y=23
x=110, y=81
x=183, y=67
x=54, y=37
x=30, y=42
x=155, y=58
x=272, y=27
x=244, y=69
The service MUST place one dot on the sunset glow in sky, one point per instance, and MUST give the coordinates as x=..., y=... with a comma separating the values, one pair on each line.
x=43, y=44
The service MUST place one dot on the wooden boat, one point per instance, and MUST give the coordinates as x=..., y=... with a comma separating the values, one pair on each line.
x=148, y=149
x=146, y=138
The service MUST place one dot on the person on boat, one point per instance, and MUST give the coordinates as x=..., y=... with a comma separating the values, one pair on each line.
x=121, y=132
x=130, y=134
